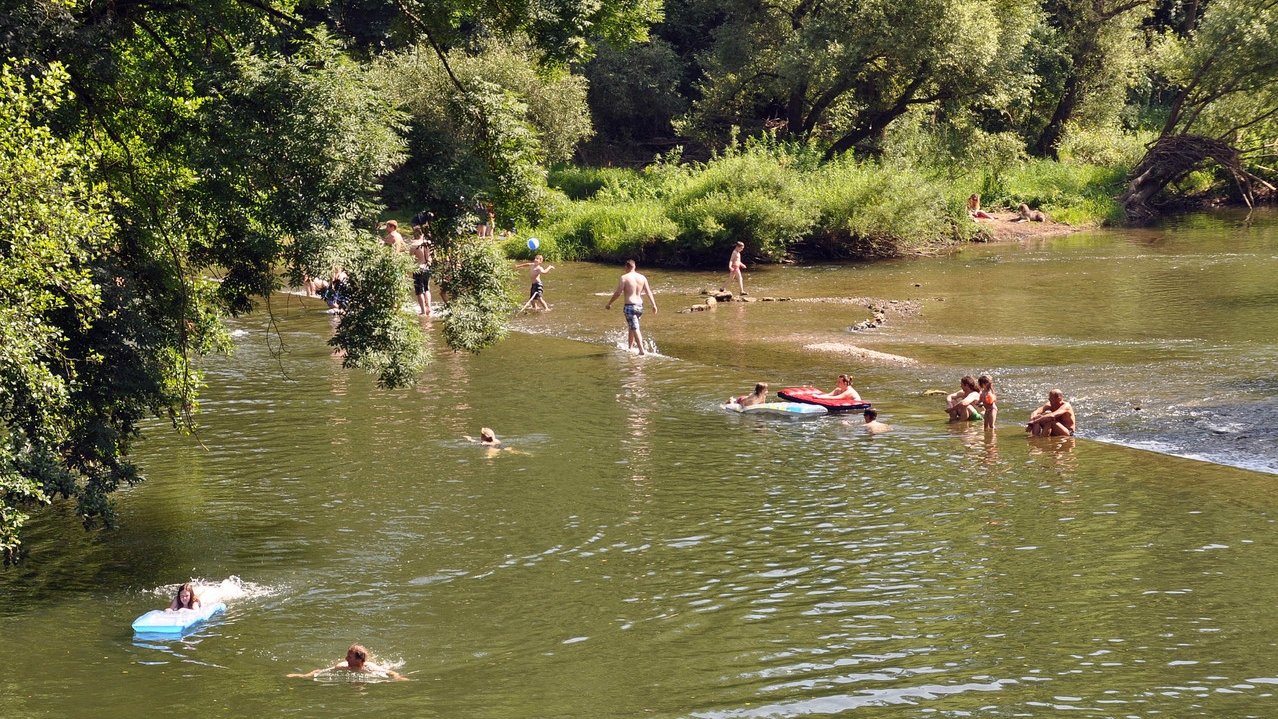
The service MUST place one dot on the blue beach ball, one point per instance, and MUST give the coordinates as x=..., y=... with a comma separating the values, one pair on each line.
x=533, y=243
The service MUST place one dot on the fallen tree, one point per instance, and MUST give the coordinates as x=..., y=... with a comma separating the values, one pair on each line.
x=1226, y=107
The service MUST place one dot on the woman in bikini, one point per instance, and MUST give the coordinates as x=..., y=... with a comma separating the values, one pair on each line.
x=988, y=399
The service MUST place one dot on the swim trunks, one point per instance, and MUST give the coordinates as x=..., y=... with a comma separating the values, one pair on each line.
x=632, y=313
x=421, y=280
x=535, y=292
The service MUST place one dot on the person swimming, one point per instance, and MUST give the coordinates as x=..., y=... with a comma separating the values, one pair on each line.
x=356, y=661
x=760, y=396
x=185, y=599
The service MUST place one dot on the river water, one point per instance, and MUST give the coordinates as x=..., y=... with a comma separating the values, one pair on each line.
x=640, y=552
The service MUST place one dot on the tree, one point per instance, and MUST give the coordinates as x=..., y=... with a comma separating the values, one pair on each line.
x=1226, y=107
x=847, y=70
x=53, y=225
x=228, y=140
x=1098, y=45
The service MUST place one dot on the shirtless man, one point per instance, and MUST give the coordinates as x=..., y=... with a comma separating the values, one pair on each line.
x=633, y=286
x=735, y=265
x=422, y=254
x=1054, y=419
x=535, y=294
x=393, y=239
x=872, y=423
x=357, y=661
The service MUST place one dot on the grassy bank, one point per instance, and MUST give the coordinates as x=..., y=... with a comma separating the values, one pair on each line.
x=784, y=202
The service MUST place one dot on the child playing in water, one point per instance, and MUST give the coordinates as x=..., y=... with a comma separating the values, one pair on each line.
x=535, y=294
x=357, y=661
x=987, y=399
x=185, y=599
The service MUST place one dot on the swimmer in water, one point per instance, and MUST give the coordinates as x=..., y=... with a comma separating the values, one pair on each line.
x=872, y=423
x=185, y=599
x=492, y=445
x=486, y=438
x=357, y=661
x=760, y=396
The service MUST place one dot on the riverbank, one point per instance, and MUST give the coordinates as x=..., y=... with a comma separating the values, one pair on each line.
x=788, y=206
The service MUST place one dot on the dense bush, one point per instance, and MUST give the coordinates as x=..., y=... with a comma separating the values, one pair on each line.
x=782, y=199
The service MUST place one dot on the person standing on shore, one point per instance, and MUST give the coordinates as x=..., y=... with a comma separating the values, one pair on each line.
x=633, y=286
x=735, y=265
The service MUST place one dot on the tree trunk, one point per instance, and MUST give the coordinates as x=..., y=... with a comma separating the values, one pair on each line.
x=1046, y=145
x=1171, y=158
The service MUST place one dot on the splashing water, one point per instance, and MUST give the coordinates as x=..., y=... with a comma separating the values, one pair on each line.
x=228, y=590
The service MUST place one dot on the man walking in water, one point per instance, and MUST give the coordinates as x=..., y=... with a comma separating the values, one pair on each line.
x=735, y=265
x=633, y=286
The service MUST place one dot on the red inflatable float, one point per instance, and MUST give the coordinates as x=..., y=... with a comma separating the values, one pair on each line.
x=812, y=395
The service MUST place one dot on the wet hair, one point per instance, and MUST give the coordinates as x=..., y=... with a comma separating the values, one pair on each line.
x=761, y=388
x=538, y=258
x=360, y=651
x=486, y=434
x=846, y=378
x=630, y=265
x=193, y=600
x=968, y=381
x=871, y=414
x=1056, y=393
x=984, y=380
x=392, y=225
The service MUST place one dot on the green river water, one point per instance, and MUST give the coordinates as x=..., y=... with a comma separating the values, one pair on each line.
x=644, y=553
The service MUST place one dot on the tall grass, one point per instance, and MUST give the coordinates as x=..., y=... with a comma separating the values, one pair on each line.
x=781, y=199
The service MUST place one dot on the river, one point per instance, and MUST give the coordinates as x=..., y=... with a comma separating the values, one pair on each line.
x=640, y=552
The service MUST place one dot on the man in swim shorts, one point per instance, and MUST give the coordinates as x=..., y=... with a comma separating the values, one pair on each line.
x=357, y=661
x=421, y=252
x=535, y=293
x=633, y=286
x=1054, y=419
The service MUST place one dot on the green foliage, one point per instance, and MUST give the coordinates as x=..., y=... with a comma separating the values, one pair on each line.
x=1226, y=73
x=53, y=225
x=486, y=135
x=476, y=277
x=388, y=344
x=847, y=70
x=1069, y=192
